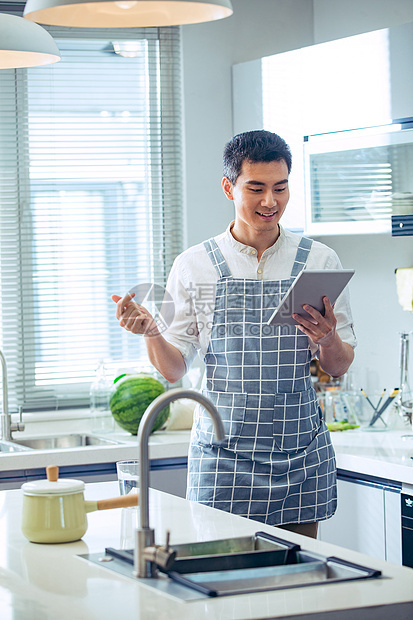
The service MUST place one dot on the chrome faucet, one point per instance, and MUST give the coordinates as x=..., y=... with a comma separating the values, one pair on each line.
x=147, y=553
x=7, y=427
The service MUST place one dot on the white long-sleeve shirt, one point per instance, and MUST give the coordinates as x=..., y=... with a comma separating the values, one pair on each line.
x=192, y=284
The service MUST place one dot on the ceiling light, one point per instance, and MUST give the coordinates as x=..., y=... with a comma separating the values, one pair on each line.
x=125, y=13
x=24, y=44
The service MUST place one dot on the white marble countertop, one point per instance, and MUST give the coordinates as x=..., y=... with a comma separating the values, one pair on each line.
x=49, y=581
x=385, y=455
x=162, y=445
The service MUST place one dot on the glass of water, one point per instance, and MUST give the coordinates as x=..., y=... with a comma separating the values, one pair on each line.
x=127, y=476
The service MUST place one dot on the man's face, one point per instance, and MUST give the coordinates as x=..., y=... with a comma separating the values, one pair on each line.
x=260, y=195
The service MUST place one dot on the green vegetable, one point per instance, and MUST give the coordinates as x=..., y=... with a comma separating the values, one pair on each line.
x=132, y=397
x=341, y=426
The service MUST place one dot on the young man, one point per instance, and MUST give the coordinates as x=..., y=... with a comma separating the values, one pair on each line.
x=277, y=463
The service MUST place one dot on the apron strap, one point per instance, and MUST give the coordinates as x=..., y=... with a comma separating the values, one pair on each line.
x=301, y=257
x=217, y=259
x=222, y=268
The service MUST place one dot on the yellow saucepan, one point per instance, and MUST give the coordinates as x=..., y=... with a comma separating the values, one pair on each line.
x=54, y=510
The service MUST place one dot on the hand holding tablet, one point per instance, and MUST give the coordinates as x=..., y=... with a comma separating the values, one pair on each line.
x=309, y=288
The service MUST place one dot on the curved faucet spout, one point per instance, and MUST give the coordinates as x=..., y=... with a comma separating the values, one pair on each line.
x=5, y=418
x=6, y=425
x=145, y=428
x=147, y=536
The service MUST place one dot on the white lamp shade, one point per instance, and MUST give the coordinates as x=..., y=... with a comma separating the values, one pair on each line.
x=125, y=13
x=24, y=44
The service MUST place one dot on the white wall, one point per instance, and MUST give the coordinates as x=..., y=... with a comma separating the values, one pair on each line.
x=209, y=51
x=260, y=28
x=334, y=19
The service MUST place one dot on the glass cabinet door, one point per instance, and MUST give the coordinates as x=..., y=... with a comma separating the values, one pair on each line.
x=356, y=180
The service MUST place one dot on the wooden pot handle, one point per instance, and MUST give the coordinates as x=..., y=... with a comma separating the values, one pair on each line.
x=52, y=473
x=124, y=501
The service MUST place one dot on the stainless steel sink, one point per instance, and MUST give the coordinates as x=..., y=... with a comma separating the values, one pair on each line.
x=308, y=569
x=8, y=447
x=237, y=566
x=261, y=549
x=61, y=442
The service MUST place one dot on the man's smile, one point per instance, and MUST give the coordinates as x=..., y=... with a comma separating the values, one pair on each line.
x=267, y=216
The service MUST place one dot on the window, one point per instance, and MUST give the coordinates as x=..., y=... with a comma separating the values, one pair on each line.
x=90, y=204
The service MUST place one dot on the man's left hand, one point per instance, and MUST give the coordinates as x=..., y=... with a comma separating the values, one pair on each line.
x=320, y=329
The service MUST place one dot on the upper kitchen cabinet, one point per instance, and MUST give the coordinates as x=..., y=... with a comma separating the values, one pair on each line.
x=355, y=181
x=400, y=42
x=358, y=82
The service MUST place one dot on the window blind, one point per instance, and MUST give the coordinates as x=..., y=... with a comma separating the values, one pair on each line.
x=90, y=204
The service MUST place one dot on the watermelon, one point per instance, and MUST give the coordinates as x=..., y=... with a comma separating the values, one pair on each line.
x=130, y=399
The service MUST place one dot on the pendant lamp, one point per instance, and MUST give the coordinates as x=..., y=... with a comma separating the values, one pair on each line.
x=24, y=44
x=125, y=13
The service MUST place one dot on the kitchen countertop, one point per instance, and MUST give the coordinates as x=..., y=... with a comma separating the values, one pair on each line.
x=162, y=445
x=45, y=582
x=385, y=455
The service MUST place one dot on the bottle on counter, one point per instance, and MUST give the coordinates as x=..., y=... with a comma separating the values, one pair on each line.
x=101, y=417
x=404, y=399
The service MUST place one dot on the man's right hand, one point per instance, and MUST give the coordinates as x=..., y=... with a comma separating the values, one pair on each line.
x=166, y=358
x=133, y=317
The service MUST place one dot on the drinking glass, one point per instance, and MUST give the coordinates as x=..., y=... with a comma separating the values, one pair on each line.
x=127, y=476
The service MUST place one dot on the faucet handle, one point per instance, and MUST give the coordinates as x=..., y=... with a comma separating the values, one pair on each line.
x=161, y=556
x=21, y=416
x=19, y=426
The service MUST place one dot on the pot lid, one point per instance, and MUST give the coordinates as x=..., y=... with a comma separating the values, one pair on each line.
x=62, y=486
x=53, y=485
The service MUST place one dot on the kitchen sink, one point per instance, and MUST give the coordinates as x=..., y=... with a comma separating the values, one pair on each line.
x=61, y=442
x=308, y=569
x=8, y=447
x=231, y=553
x=235, y=566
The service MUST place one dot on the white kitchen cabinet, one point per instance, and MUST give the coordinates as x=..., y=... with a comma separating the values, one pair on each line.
x=393, y=523
x=400, y=42
x=355, y=82
x=367, y=519
x=359, y=520
x=356, y=180
x=359, y=81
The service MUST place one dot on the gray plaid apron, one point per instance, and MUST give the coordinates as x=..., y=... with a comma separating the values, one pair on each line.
x=276, y=464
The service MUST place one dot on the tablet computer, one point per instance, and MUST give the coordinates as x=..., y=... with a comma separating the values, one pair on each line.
x=309, y=287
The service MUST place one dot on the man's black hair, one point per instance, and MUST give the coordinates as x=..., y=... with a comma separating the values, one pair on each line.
x=254, y=147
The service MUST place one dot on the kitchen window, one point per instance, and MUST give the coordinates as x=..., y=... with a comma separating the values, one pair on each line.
x=90, y=205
